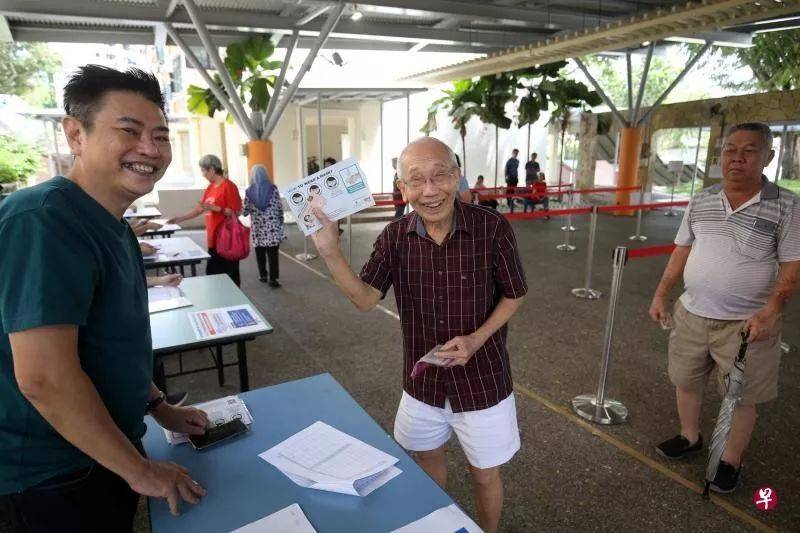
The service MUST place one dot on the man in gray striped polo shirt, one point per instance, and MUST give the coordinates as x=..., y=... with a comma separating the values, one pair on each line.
x=738, y=251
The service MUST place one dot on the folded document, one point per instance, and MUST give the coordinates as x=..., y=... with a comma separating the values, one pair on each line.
x=324, y=458
x=165, y=298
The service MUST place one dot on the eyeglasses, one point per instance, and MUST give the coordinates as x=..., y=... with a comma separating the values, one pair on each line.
x=440, y=179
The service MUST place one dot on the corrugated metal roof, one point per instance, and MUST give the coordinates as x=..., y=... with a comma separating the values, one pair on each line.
x=474, y=26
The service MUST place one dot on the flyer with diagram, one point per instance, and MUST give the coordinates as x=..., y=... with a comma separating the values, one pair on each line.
x=339, y=190
x=226, y=322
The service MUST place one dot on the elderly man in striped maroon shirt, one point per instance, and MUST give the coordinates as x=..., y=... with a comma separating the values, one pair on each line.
x=457, y=279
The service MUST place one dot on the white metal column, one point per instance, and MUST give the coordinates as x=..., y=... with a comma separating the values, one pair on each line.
x=381, y=123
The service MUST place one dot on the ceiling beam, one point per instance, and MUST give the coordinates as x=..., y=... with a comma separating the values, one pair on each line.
x=485, y=10
x=710, y=15
x=233, y=20
x=540, y=19
x=132, y=35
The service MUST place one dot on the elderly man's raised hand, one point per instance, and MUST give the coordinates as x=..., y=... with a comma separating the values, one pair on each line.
x=327, y=239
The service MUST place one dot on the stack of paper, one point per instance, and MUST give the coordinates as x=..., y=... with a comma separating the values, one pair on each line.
x=324, y=458
x=449, y=518
x=219, y=412
x=165, y=298
x=288, y=520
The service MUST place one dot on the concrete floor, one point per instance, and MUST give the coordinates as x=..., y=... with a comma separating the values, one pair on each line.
x=568, y=475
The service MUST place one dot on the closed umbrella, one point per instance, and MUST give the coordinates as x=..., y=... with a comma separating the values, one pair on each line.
x=734, y=382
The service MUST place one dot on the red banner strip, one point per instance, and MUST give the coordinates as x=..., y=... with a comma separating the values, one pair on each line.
x=551, y=213
x=634, y=207
x=650, y=251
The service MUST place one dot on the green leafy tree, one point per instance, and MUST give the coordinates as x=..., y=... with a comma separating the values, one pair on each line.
x=462, y=102
x=26, y=70
x=774, y=60
x=486, y=98
x=18, y=160
x=253, y=74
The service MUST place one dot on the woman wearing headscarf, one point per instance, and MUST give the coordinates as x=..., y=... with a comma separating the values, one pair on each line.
x=263, y=203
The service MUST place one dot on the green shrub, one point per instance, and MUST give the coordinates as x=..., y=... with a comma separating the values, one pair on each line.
x=18, y=160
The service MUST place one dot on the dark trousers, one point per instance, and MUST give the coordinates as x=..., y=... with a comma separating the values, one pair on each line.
x=399, y=210
x=511, y=186
x=88, y=499
x=529, y=202
x=262, y=254
x=220, y=265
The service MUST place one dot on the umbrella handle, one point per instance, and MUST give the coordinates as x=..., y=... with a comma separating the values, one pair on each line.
x=742, y=347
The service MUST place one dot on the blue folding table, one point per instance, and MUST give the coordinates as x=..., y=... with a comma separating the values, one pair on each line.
x=243, y=488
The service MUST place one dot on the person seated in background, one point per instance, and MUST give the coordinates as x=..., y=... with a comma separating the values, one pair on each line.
x=479, y=184
x=329, y=161
x=538, y=196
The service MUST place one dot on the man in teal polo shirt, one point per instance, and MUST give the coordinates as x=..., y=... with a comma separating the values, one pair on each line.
x=75, y=350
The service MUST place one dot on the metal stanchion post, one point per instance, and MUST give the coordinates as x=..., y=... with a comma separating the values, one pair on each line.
x=596, y=407
x=305, y=256
x=587, y=292
x=349, y=241
x=639, y=236
x=566, y=246
x=569, y=218
x=671, y=213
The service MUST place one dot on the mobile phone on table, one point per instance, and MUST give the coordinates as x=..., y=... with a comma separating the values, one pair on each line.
x=218, y=434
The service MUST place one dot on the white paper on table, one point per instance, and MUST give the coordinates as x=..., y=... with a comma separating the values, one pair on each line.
x=339, y=190
x=446, y=519
x=288, y=520
x=165, y=298
x=225, y=322
x=322, y=457
x=219, y=411
x=165, y=226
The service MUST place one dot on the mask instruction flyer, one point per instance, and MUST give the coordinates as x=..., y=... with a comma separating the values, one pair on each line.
x=339, y=190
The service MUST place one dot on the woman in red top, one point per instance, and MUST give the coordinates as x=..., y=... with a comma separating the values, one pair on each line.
x=221, y=199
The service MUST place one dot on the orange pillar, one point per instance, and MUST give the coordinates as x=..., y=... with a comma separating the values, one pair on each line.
x=260, y=153
x=630, y=148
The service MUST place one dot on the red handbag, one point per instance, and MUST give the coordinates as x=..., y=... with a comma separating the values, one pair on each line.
x=233, y=240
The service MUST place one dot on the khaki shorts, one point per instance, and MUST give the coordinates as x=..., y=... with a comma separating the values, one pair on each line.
x=698, y=344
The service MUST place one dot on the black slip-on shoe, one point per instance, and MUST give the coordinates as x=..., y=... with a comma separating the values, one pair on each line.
x=727, y=478
x=678, y=447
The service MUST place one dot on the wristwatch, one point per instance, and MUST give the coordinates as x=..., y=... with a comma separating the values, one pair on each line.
x=155, y=402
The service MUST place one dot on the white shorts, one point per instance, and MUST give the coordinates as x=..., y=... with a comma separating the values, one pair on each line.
x=489, y=437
